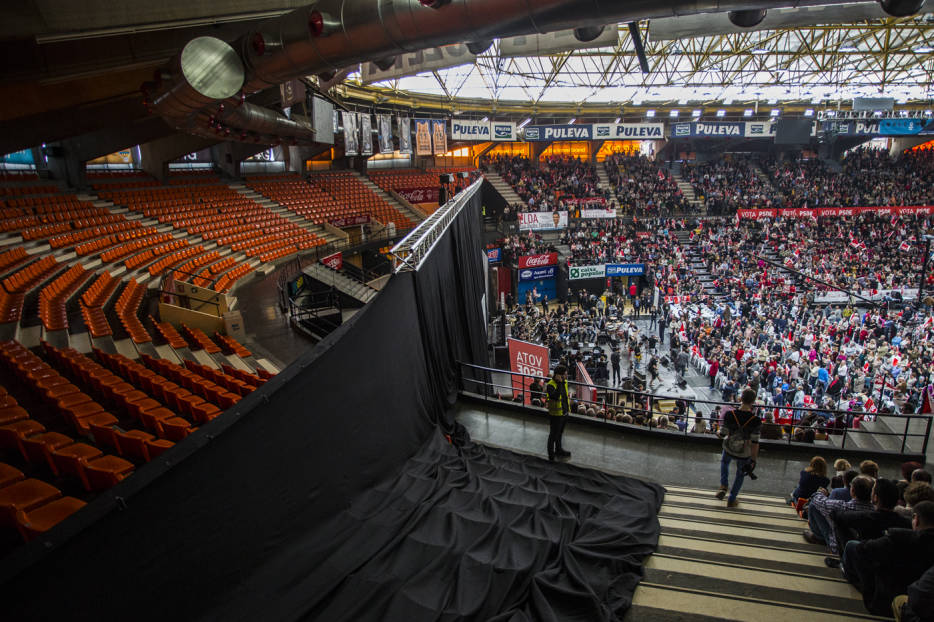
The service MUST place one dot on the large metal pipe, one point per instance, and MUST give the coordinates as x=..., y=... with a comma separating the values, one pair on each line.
x=332, y=34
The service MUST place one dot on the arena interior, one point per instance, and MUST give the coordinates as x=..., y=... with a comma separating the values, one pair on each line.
x=287, y=291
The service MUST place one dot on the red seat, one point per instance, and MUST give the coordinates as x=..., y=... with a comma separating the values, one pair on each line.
x=24, y=496
x=78, y=414
x=12, y=414
x=70, y=460
x=44, y=517
x=103, y=432
x=38, y=449
x=157, y=447
x=9, y=475
x=133, y=444
x=12, y=433
x=106, y=471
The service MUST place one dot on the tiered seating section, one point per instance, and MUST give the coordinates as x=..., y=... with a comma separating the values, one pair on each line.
x=75, y=424
x=393, y=180
x=329, y=197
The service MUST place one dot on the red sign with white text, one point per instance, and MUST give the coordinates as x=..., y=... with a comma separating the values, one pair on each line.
x=419, y=195
x=833, y=211
x=527, y=358
x=335, y=261
x=538, y=261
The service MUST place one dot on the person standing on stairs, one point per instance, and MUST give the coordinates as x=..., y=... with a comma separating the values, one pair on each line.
x=558, y=409
x=740, y=433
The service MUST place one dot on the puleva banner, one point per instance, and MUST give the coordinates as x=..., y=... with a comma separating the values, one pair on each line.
x=537, y=133
x=708, y=130
x=503, y=131
x=470, y=130
x=536, y=221
x=625, y=269
x=527, y=358
x=629, y=131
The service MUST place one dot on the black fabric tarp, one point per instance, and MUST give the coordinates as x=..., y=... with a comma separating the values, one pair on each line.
x=331, y=494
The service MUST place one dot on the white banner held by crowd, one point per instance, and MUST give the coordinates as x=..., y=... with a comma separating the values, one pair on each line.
x=538, y=221
x=598, y=213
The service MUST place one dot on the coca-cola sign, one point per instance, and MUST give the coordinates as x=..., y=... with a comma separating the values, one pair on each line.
x=419, y=195
x=538, y=261
x=350, y=221
x=335, y=261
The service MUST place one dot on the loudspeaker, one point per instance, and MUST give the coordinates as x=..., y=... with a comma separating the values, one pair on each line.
x=665, y=361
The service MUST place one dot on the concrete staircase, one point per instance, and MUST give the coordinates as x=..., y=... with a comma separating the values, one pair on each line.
x=414, y=216
x=696, y=263
x=602, y=176
x=341, y=282
x=743, y=563
x=886, y=433
x=284, y=212
x=502, y=187
x=686, y=189
x=761, y=174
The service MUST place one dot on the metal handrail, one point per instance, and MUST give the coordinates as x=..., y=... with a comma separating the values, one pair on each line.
x=649, y=399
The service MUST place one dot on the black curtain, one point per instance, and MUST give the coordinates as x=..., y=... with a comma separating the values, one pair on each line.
x=449, y=288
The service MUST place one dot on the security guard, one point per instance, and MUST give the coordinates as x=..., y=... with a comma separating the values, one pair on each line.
x=558, y=409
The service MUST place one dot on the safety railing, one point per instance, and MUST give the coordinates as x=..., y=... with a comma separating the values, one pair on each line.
x=643, y=410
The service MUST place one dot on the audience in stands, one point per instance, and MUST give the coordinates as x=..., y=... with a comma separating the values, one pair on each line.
x=643, y=188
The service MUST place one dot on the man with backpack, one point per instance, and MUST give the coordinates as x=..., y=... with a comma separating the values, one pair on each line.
x=740, y=433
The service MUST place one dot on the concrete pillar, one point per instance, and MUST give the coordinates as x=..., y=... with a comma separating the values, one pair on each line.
x=901, y=143
x=538, y=148
x=65, y=164
x=595, y=146
x=155, y=155
x=224, y=161
x=42, y=169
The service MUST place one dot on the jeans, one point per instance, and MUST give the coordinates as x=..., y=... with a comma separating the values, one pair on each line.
x=725, y=460
x=555, y=432
x=818, y=524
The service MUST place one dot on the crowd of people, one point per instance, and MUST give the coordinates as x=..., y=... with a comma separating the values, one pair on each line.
x=879, y=531
x=724, y=186
x=543, y=188
x=642, y=187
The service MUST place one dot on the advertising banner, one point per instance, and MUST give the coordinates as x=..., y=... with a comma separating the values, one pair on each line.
x=758, y=129
x=598, y=213
x=422, y=137
x=384, y=132
x=527, y=358
x=494, y=255
x=439, y=136
x=880, y=127
x=629, y=131
x=708, y=130
x=538, y=261
x=202, y=156
x=538, y=133
x=23, y=156
x=587, y=272
x=350, y=221
x=322, y=118
x=876, y=295
x=419, y=195
x=470, y=130
x=429, y=59
x=585, y=200
x=118, y=157
x=625, y=269
x=351, y=140
x=503, y=131
x=335, y=261
x=405, y=135
x=755, y=214
x=537, y=274
x=366, y=134
x=539, y=221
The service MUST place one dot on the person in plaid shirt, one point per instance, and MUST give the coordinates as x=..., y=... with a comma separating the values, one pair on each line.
x=821, y=509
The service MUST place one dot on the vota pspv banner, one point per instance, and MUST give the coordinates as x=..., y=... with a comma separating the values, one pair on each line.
x=470, y=130
x=629, y=131
x=527, y=358
x=539, y=133
x=708, y=130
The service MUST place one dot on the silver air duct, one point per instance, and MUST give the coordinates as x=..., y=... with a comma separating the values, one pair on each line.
x=331, y=34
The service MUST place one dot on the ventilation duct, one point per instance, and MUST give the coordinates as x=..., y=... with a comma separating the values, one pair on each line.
x=332, y=34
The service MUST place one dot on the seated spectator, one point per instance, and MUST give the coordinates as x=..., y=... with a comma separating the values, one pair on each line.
x=908, y=468
x=842, y=493
x=841, y=466
x=537, y=392
x=869, y=469
x=812, y=478
x=770, y=429
x=918, y=604
x=700, y=425
x=821, y=506
x=915, y=493
x=868, y=524
x=883, y=568
x=920, y=475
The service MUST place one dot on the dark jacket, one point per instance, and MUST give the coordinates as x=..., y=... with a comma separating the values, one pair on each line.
x=920, y=605
x=867, y=524
x=886, y=566
x=808, y=483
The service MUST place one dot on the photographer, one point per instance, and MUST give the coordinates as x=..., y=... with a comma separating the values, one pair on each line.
x=740, y=434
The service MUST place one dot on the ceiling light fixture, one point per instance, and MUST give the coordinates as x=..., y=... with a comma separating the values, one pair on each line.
x=650, y=113
x=695, y=113
x=721, y=113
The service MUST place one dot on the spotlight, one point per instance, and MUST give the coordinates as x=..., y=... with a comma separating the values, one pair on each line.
x=747, y=18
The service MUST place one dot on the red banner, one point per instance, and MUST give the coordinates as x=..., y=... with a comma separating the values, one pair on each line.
x=832, y=211
x=419, y=195
x=335, y=261
x=538, y=261
x=350, y=221
x=527, y=358
x=643, y=234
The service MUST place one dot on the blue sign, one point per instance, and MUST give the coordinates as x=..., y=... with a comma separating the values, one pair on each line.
x=900, y=127
x=19, y=157
x=708, y=130
x=540, y=133
x=494, y=254
x=880, y=127
x=537, y=274
x=542, y=288
x=625, y=269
